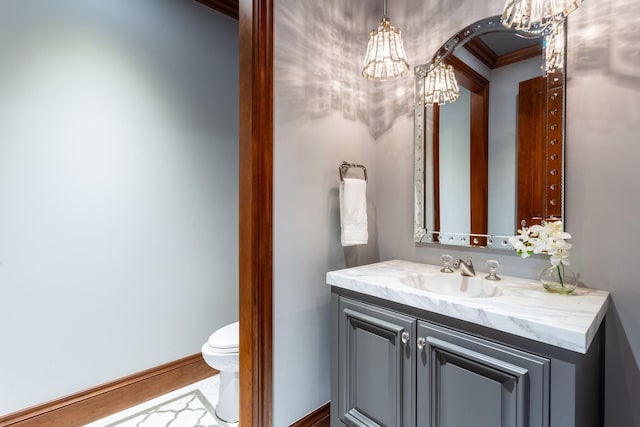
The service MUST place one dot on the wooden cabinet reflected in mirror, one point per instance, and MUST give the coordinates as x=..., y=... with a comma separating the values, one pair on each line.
x=494, y=157
x=540, y=154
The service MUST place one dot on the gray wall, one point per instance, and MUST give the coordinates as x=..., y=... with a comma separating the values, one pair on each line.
x=603, y=105
x=321, y=118
x=319, y=121
x=118, y=193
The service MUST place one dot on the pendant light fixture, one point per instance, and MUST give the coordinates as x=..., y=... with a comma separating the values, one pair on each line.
x=537, y=16
x=385, y=58
x=440, y=86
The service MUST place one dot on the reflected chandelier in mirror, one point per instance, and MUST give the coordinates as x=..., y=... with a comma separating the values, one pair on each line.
x=494, y=158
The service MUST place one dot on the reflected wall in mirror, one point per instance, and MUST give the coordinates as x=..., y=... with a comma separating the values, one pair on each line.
x=493, y=158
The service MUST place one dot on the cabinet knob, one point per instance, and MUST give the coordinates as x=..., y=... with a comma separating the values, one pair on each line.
x=405, y=337
x=421, y=342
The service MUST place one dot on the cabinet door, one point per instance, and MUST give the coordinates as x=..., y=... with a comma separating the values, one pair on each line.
x=465, y=381
x=376, y=368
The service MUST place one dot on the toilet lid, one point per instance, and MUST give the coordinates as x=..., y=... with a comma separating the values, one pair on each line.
x=225, y=338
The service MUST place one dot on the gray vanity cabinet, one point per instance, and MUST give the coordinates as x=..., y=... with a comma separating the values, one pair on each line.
x=375, y=369
x=391, y=369
x=398, y=366
x=463, y=380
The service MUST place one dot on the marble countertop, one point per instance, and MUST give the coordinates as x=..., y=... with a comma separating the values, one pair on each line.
x=522, y=308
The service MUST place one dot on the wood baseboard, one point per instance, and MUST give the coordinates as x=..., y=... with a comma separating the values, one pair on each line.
x=98, y=402
x=317, y=418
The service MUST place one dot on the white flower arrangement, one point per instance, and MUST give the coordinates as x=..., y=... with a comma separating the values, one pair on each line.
x=547, y=238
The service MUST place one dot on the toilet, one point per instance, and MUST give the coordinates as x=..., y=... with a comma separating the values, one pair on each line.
x=221, y=353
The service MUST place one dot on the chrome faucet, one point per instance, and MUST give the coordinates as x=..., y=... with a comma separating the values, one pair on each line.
x=466, y=267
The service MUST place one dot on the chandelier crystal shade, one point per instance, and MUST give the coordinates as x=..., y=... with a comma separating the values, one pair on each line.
x=554, y=50
x=385, y=58
x=537, y=16
x=440, y=86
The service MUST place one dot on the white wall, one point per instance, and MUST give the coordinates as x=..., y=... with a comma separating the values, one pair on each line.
x=118, y=189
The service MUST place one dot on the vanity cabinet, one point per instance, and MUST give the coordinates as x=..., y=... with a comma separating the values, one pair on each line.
x=463, y=380
x=376, y=368
x=405, y=368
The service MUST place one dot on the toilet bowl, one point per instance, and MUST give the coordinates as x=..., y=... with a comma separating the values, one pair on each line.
x=221, y=353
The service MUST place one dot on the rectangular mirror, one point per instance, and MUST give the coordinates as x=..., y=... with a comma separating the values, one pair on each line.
x=494, y=157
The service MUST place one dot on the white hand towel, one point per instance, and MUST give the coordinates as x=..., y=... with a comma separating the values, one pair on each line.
x=353, y=212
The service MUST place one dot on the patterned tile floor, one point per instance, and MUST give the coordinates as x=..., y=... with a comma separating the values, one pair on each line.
x=191, y=406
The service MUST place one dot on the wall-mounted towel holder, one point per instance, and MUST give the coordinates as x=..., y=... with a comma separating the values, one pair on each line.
x=344, y=167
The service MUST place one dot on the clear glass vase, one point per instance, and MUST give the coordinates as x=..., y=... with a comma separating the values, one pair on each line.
x=559, y=279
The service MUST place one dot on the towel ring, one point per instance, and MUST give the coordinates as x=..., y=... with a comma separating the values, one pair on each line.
x=344, y=167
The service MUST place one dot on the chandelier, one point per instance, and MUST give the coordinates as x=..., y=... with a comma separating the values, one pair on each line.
x=537, y=16
x=385, y=58
x=440, y=86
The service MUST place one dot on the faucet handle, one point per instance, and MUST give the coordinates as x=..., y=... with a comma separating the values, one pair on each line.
x=493, y=265
x=446, y=263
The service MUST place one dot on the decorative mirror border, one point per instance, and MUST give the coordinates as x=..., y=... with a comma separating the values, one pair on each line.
x=421, y=233
x=483, y=26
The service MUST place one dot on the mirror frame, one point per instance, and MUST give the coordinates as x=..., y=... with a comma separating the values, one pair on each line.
x=421, y=124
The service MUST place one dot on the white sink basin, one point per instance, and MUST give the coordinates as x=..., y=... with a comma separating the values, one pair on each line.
x=512, y=305
x=453, y=284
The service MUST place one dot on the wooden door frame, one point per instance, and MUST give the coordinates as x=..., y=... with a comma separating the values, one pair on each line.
x=255, y=40
x=256, y=212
